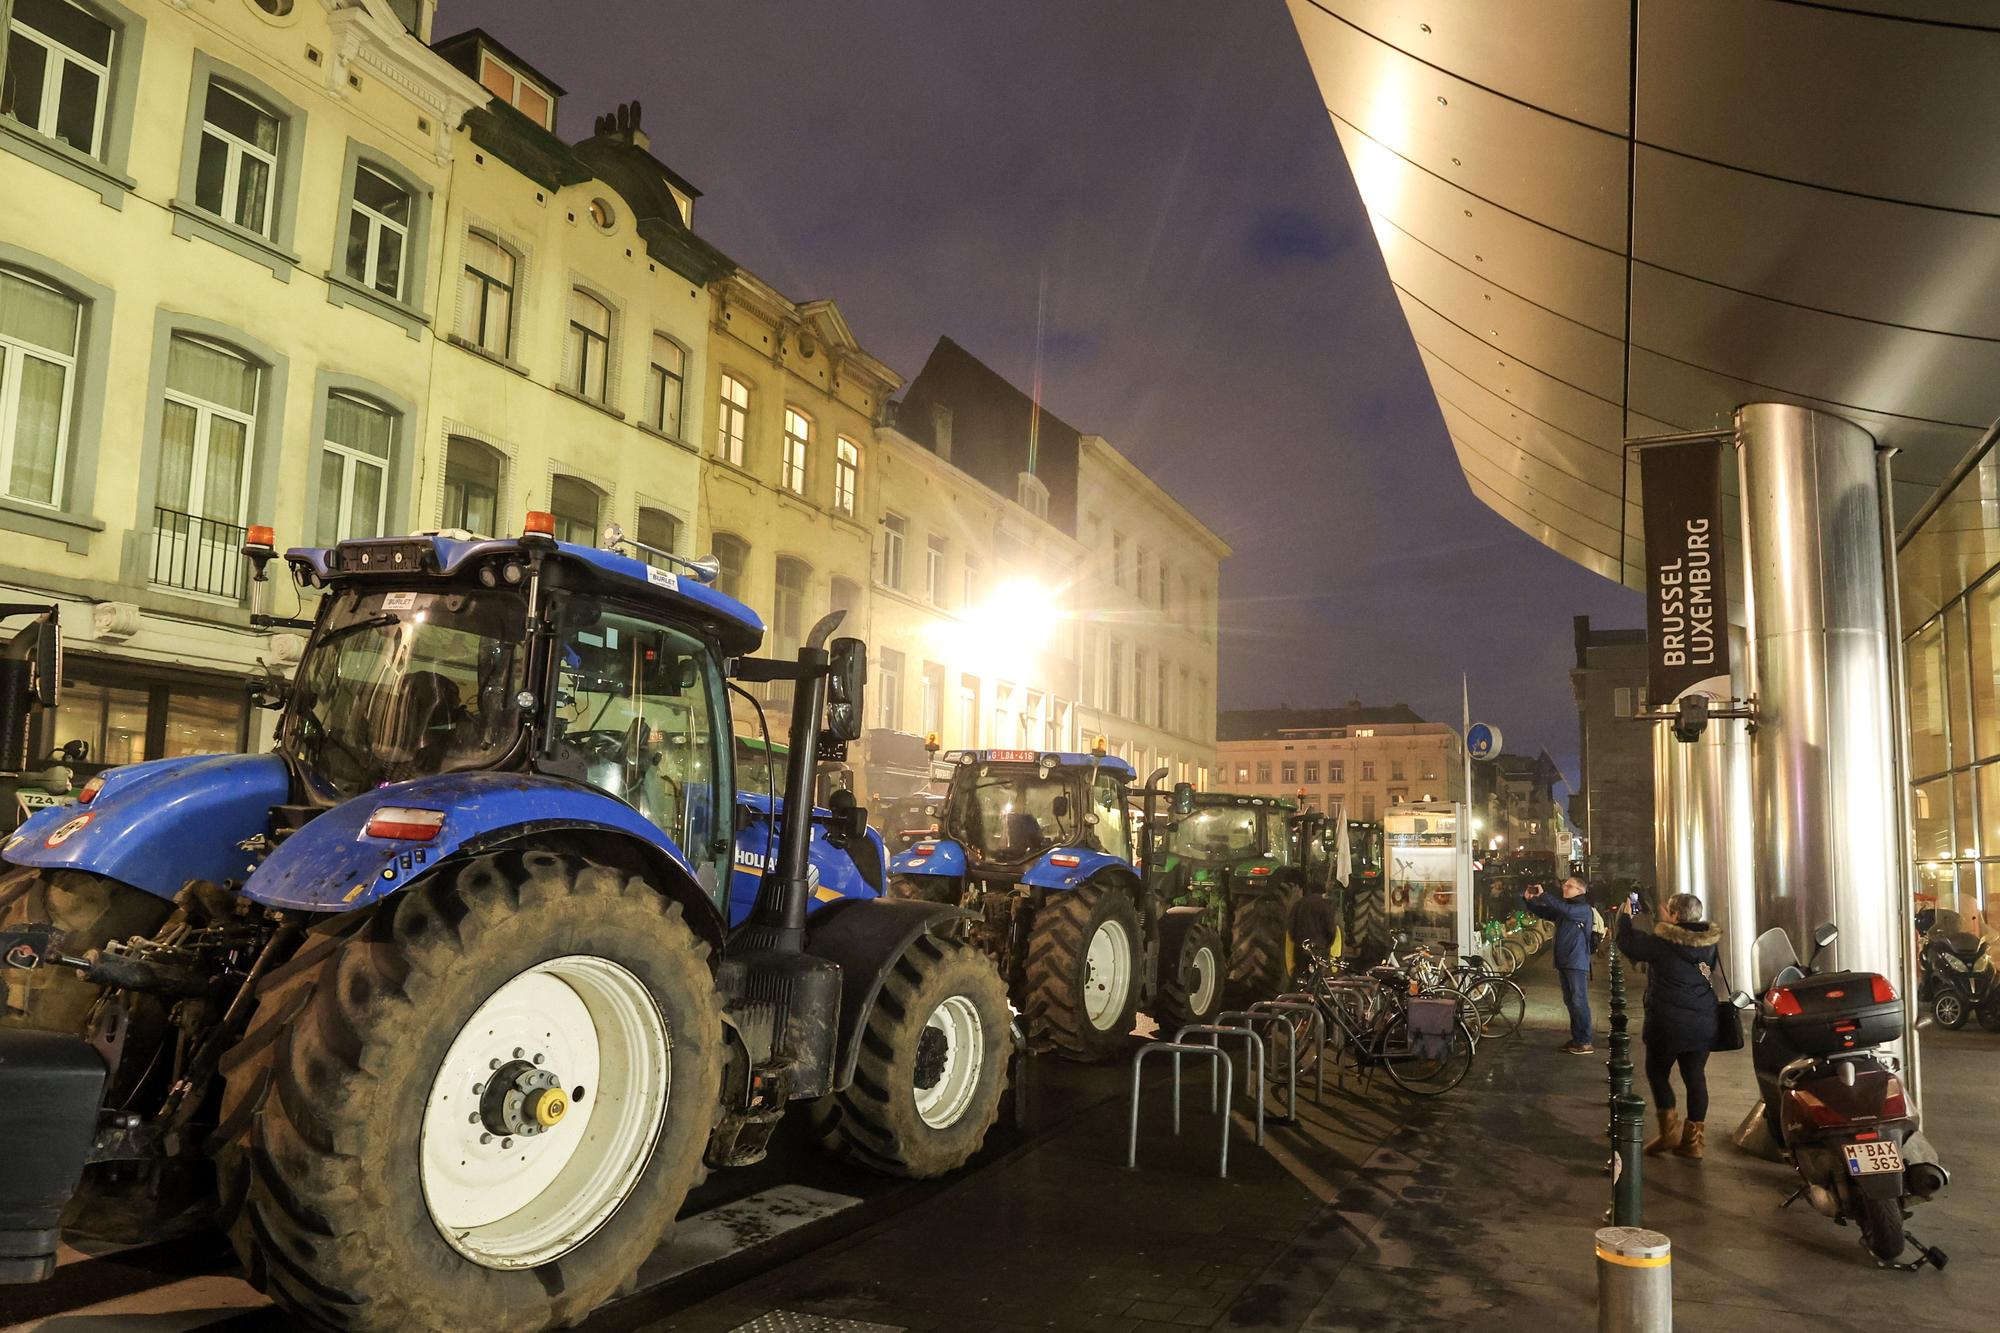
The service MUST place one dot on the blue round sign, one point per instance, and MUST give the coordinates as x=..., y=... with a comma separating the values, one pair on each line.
x=1482, y=741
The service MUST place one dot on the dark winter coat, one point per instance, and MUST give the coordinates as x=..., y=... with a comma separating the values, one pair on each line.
x=1572, y=918
x=1312, y=919
x=1680, y=999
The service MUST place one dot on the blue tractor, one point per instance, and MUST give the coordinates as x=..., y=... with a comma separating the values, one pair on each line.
x=440, y=1009
x=1041, y=849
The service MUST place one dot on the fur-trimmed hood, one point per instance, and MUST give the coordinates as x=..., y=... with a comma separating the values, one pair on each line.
x=1700, y=935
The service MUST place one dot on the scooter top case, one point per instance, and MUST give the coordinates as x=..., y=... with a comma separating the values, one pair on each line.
x=1831, y=1012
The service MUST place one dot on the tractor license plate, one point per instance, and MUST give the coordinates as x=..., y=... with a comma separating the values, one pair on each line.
x=1868, y=1159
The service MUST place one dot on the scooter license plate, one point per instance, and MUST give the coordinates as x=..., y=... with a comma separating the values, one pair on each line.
x=1868, y=1159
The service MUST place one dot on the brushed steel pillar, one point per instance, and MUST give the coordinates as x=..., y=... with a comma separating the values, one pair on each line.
x=1824, y=756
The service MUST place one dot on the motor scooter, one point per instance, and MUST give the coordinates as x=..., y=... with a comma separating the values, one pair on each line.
x=1955, y=976
x=1835, y=1105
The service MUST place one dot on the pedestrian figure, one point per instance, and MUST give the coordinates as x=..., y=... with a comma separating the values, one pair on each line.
x=1573, y=947
x=1680, y=954
x=1312, y=925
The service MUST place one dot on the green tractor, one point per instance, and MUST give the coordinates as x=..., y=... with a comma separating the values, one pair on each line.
x=1232, y=856
x=1352, y=876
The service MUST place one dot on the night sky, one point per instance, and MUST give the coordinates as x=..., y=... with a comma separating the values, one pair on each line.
x=1216, y=305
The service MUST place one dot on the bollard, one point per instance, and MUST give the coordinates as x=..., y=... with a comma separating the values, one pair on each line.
x=1628, y=1141
x=1635, y=1281
x=1618, y=1067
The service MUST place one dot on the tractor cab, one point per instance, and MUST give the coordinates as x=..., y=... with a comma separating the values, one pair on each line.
x=1011, y=811
x=1227, y=836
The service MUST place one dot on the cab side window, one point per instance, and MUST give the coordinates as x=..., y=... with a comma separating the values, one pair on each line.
x=1107, y=803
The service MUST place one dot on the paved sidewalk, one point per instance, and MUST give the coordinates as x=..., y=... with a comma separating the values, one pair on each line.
x=1475, y=1210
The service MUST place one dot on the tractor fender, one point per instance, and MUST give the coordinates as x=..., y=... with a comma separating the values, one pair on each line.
x=1067, y=867
x=930, y=856
x=159, y=824
x=1175, y=923
x=866, y=939
x=332, y=864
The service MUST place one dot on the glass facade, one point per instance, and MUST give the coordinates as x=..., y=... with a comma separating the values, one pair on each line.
x=1949, y=571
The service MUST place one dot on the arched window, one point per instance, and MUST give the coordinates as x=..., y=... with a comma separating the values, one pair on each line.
x=59, y=71
x=39, y=327
x=732, y=421
x=576, y=505
x=486, y=295
x=208, y=434
x=472, y=473
x=665, y=378
x=788, y=605
x=587, y=352
x=798, y=443
x=237, y=166
x=733, y=554
x=354, y=473
x=846, y=474
x=661, y=531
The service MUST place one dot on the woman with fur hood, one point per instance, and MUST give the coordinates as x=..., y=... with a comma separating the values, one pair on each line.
x=1680, y=952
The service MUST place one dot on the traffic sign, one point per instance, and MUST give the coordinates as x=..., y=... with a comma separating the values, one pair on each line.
x=1482, y=741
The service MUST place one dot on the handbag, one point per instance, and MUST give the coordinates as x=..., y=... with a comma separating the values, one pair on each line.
x=1728, y=1018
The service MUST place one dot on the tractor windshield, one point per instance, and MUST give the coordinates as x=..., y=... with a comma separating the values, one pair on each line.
x=1220, y=833
x=402, y=683
x=1013, y=814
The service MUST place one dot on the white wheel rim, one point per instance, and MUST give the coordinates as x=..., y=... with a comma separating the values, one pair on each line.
x=1107, y=975
x=1205, y=971
x=516, y=1201
x=942, y=1103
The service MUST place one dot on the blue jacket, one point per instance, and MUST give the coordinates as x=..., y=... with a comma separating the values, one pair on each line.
x=1572, y=918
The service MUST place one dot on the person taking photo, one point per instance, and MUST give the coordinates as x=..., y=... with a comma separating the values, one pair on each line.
x=1573, y=946
x=1680, y=952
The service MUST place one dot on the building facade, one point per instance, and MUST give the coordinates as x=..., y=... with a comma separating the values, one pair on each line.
x=1613, y=804
x=1363, y=758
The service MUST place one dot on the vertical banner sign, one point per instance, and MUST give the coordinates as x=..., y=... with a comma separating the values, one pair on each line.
x=1687, y=591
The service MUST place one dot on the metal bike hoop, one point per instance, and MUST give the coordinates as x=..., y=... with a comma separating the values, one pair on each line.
x=1212, y=1053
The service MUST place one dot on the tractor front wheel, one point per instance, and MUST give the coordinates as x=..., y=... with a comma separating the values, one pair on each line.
x=1191, y=983
x=1083, y=972
x=932, y=1069
x=492, y=1092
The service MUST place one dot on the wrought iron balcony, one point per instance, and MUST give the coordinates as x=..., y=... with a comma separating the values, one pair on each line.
x=197, y=554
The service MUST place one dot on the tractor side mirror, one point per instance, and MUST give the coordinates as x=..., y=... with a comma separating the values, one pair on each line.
x=1183, y=800
x=847, y=679
x=1059, y=806
x=849, y=817
x=45, y=660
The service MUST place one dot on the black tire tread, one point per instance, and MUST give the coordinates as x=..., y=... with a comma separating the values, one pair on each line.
x=1260, y=932
x=1053, y=1005
x=1174, y=1003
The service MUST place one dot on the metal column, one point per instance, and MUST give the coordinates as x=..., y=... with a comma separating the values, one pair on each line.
x=1824, y=756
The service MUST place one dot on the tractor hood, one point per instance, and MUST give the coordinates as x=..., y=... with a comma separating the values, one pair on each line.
x=838, y=869
x=159, y=824
x=348, y=858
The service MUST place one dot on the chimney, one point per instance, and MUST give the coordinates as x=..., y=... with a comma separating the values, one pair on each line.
x=623, y=124
x=941, y=431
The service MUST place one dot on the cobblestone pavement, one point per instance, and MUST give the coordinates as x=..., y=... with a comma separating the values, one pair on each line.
x=1475, y=1210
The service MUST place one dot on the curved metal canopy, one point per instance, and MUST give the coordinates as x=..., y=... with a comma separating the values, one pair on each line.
x=1607, y=219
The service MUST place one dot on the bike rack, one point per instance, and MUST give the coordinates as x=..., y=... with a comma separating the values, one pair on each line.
x=1281, y=1006
x=1214, y=1055
x=1253, y=1042
x=1250, y=1018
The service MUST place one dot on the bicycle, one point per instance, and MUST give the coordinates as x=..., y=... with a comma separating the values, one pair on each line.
x=1377, y=1022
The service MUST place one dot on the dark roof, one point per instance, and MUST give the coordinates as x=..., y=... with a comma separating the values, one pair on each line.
x=1244, y=724
x=458, y=50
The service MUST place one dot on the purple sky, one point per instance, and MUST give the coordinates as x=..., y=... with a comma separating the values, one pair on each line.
x=1217, y=307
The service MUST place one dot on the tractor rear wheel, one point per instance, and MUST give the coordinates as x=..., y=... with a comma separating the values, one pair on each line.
x=932, y=1069
x=1191, y=983
x=1260, y=945
x=90, y=911
x=1083, y=972
x=491, y=1092
x=1367, y=932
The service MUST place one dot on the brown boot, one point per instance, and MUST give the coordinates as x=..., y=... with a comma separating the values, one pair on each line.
x=1669, y=1136
x=1691, y=1142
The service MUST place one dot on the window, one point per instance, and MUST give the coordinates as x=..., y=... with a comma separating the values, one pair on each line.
x=661, y=531
x=894, y=528
x=889, y=675
x=930, y=717
x=1364, y=731
x=1288, y=772
x=798, y=439
x=1312, y=771
x=1163, y=584
x=354, y=473
x=486, y=295
x=664, y=379
x=1118, y=559
x=587, y=351
x=207, y=425
x=1264, y=772
x=1163, y=699
x=59, y=72
x=732, y=553
x=1395, y=770
x=788, y=605
x=1336, y=771
x=934, y=570
x=602, y=215
x=1145, y=572
x=1368, y=806
x=1242, y=773
x=237, y=162
x=39, y=327
x=846, y=474
x=1114, y=692
x=575, y=504
x=732, y=423
x=517, y=91
x=471, y=486
x=378, y=232
x=1141, y=706
x=1367, y=770
x=1430, y=770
